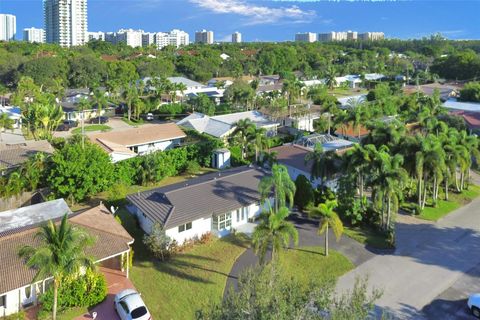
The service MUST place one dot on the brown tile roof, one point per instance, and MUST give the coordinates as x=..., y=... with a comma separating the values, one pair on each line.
x=12, y=155
x=111, y=240
x=350, y=131
x=201, y=197
x=147, y=133
x=293, y=155
x=472, y=118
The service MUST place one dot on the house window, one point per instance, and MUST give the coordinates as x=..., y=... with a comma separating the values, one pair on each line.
x=223, y=221
x=3, y=301
x=185, y=227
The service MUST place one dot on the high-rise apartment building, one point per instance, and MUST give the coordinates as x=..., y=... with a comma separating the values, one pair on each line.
x=306, y=37
x=96, y=36
x=65, y=22
x=8, y=27
x=130, y=37
x=236, y=37
x=34, y=35
x=148, y=38
x=174, y=38
x=371, y=36
x=204, y=36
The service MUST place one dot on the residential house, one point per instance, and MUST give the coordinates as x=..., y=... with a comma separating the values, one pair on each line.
x=18, y=228
x=214, y=203
x=14, y=155
x=70, y=105
x=228, y=81
x=446, y=90
x=13, y=113
x=223, y=125
x=454, y=105
x=292, y=155
x=128, y=143
x=471, y=118
x=297, y=118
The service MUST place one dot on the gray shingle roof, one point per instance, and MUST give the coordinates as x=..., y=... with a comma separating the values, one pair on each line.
x=201, y=197
x=12, y=155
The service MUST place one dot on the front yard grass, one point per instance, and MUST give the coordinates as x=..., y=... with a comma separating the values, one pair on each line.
x=368, y=236
x=190, y=281
x=455, y=201
x=309, y=264
x=91, y=128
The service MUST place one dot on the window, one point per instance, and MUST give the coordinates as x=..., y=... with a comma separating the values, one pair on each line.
x=223, y=221
x=184, y=227
x=3, y=301
x=238, y=215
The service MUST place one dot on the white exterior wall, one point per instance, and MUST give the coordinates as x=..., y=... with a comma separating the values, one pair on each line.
x=17, y=298
x=199, y=227
x=145, y=223
x=8, y=27
x=116, y=157
x=156, y=146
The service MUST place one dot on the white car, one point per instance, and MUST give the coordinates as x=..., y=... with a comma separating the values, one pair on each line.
x=149, y=116
x=130, y=306
x=474, y=304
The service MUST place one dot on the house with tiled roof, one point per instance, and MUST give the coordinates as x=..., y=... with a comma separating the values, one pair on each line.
x=222, y=126
x=129, y=143
x=12, y=155
x=18, y=228
x=213, y=203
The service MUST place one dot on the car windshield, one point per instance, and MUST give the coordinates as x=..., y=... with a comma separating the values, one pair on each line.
x=139, y=312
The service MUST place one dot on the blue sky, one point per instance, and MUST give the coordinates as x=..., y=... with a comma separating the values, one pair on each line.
x=272, y=20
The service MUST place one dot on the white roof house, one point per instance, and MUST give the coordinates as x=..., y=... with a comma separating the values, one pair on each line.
x=221, y=126
x=13, y=113
x=453, y=104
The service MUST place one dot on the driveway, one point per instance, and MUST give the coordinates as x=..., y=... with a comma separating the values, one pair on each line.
x=116, y=282
x=436, y=262
x=12, y=137
x=307, y=231
x=117, y=124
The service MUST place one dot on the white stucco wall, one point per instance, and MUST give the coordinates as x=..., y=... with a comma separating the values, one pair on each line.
x=15, y=299
x=199, y=227
x=116, y=157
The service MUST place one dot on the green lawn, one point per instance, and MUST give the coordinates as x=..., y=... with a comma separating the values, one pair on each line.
x=455, y=201
x=307, y=264
x=190, y=281
x=93, y=127
x=133, y=123
x=346, y=92
x=368, y=236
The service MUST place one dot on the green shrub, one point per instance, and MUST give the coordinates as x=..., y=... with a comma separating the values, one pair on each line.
x=304, y=195
x=117, y=192
x=17, y=316
x=84, y=291
x=192, y=167
x=236, y=156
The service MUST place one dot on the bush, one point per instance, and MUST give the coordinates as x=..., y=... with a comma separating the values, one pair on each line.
x=236, y=156
x=206, y=238
x=17, y=316
x=117, y=193
x=83, y=291
x=192, y=168
x=158, y=242
x=304, y=195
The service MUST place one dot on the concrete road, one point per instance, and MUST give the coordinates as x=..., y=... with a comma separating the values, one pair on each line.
x=430, y=260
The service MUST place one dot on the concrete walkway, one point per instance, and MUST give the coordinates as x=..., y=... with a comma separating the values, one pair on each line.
x=429, y=259
x=307, y=229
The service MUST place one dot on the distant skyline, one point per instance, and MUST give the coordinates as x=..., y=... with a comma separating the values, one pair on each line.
x=271, y=20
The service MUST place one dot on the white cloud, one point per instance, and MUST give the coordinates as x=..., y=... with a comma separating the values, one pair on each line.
x=258, y=14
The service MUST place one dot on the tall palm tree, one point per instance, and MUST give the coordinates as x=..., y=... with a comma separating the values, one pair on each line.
x=280, y=185
x=129, y=95
x=328, y=218
x=273, y=231
x=5, y=123
x=83, y=104
x=101, y=101
x=323, y=163
x=357, y=161
x=243, y=133
x=260, y=141
x=61, y=252
x=330, y=77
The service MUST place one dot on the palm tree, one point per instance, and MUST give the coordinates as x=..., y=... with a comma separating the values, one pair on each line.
x=280, y=185
x=329, y=218
x=358, y=161
x=101, y=101
x=323, y=163
x=260, y=141
x=129, y=95
x=83, y=105
x=330, y=77
x=61, y=252
x=273, y=231
x=5, y=123
x=243, y=133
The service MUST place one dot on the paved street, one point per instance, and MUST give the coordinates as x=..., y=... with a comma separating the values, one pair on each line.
x=433, y=262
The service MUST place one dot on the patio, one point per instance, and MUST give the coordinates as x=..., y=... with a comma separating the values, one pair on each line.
x=247, y=228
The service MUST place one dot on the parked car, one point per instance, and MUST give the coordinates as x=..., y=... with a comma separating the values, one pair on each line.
x=100, y=120
x=474, y=304
x=149, y=116
x=67, y=125
x=130, y=306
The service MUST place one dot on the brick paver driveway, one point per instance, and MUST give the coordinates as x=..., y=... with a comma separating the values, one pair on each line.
x=116, y=282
